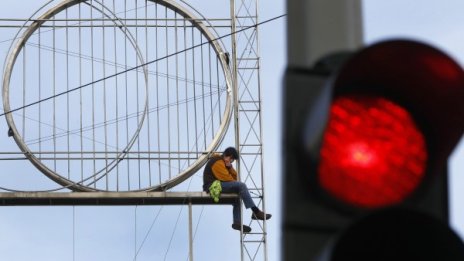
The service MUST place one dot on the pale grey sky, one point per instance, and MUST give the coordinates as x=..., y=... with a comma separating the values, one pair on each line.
x=107, y=233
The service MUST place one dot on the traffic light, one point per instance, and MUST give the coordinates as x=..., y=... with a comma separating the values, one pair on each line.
x=366, y=140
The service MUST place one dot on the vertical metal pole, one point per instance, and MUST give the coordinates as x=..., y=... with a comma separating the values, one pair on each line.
x=74, y=232
x=190, y=232
x=264, y=228
x=235, y=76
x=54, y=92
x=235, y=99
x=135, y=233
x=316, y=28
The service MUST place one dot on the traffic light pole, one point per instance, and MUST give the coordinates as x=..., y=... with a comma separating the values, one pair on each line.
x=366, y=140
x=316, y=28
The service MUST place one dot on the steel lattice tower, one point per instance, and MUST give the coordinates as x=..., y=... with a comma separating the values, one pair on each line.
x=248, y=117
x=121, y=101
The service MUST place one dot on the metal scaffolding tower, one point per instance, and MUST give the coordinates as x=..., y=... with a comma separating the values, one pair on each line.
x=248, y=121
x=118, y=102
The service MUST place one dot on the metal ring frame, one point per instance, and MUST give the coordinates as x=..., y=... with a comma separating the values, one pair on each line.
x=81, y=185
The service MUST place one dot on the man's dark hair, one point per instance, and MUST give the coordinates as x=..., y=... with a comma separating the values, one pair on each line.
x=230, y=151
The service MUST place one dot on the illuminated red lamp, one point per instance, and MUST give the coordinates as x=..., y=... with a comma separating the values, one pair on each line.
x=396, y=113
x=373, y=154
x=421, y=79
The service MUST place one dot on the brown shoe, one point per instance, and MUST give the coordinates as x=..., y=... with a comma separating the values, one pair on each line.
x=260, y=215
x=246, y=229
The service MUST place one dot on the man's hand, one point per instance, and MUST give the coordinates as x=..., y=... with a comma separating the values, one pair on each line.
x=228, y=162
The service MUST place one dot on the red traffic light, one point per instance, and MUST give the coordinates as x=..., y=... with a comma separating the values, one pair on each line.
x=423, y=80
x=365, y=133
x=372, y=154
x=395, y=115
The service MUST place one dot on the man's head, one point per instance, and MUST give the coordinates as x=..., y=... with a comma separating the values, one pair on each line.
x=229, y=155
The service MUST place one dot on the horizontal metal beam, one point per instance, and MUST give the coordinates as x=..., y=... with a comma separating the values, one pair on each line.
x=110, y=198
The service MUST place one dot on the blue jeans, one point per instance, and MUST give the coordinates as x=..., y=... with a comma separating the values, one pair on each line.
x=241, y=189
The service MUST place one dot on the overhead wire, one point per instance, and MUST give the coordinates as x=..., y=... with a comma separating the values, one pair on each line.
x=154, y=109
x=180, y=211
x=139, y=66
x=119, y=73
x=95, y=176
x=198, y=45
x=104, y=124
x=198, y=224
x=185, y=199
x=116, y=120
x=177, y=220
x=78, y=23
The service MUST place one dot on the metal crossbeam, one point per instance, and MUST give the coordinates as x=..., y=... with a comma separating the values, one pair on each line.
x=110, y=198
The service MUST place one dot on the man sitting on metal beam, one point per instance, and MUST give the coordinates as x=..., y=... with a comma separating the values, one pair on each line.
x=219, y=167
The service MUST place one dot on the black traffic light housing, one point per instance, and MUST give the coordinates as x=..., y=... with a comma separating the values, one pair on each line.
x=419, y=79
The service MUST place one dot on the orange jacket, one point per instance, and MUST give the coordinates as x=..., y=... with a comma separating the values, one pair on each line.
x=216, y=169
x=223, y=173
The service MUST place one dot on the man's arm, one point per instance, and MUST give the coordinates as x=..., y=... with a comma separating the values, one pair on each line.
x=233, y=172
x=222, y=173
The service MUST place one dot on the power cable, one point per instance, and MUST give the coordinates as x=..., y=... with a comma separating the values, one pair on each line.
x=35, y=20
x=175, y=227
x=174, y=230
x=177, y=222
x=173, y=233
x=110, y=76
x=141, y=65
x=148, y=232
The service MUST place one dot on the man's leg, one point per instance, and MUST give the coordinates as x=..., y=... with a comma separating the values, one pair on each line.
x=241, y=189
x=236, y=211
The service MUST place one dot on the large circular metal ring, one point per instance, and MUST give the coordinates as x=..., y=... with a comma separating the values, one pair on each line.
x=89, y=177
